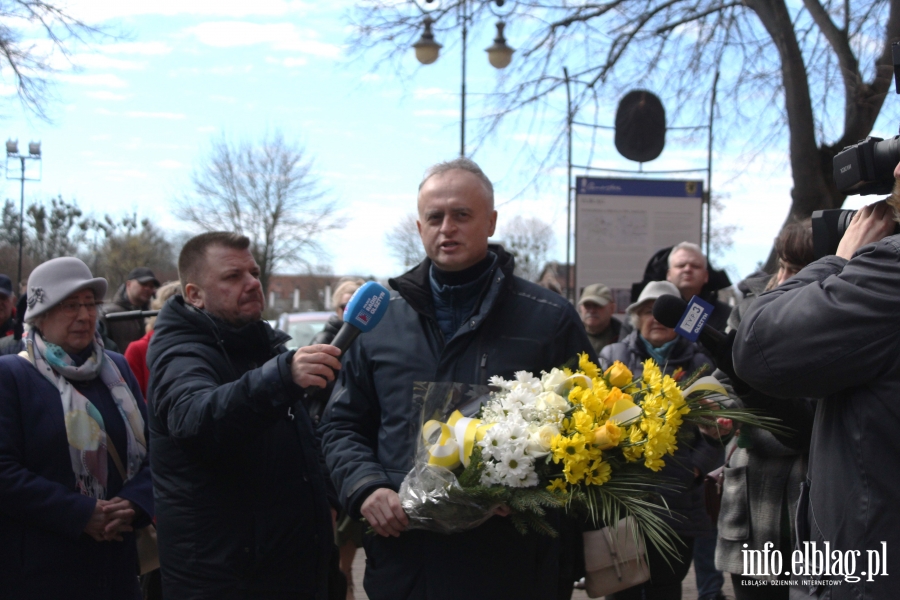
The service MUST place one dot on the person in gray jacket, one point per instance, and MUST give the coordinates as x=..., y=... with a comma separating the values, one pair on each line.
x=459, y=316
x=832, y=332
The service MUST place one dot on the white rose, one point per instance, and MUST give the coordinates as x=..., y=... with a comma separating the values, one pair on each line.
x=553, y=400
x=552, y=380
x=539, y=441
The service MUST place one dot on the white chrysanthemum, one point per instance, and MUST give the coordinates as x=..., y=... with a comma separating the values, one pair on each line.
x=514, y=465
x=530, y=480
x=493, y=441
x=489, y=475
x=499, y=382
x=517, y=434
x=525, y=380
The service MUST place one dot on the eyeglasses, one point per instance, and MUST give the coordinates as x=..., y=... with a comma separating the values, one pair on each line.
x=71, y=309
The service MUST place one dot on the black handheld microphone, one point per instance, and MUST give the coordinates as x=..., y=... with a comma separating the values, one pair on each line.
x=363, y=312
x=669, y=310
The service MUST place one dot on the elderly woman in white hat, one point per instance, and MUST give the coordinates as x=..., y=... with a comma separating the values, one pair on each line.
x=676, y=356
x=74, y=472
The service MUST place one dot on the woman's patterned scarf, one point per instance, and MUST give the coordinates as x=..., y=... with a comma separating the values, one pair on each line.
x=85, y=429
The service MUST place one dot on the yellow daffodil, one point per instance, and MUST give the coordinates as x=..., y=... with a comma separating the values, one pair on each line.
x=582, y=422
x=598, y=473
x=586, y=366
x=568, y=447
x=574, y=470
x=558, y=484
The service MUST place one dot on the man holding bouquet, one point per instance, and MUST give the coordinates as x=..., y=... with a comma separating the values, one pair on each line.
x=459, y=316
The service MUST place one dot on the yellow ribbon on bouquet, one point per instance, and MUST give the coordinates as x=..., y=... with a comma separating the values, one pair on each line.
x=456, y=440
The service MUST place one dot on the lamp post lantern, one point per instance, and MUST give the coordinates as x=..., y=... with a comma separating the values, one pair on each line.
x=12, y=153
x=428, y=50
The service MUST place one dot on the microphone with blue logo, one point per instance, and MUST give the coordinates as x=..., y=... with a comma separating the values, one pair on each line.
x=688, y=319
x=362, y=313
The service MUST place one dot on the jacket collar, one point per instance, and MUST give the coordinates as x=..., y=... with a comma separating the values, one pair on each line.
x=414, y=286
x=180, y=323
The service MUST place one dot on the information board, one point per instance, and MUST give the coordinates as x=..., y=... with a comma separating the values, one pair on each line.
x=621, y=223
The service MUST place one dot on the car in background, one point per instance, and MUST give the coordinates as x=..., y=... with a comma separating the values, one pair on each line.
x=303, y=326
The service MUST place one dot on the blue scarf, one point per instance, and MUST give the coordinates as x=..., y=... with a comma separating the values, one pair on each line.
x=661, y=354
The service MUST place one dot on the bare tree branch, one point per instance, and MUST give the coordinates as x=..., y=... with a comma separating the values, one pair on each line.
x=266, y=191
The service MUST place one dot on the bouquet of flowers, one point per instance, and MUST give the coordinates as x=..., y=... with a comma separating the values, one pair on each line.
x=573, y=439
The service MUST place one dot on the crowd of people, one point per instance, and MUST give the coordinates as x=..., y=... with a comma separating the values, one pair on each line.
x=256, y=472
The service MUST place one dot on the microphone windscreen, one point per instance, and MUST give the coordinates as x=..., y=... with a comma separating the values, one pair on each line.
x=668, y=310
x=367, y=306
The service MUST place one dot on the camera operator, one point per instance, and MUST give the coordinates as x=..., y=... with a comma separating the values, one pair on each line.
x=833, y=332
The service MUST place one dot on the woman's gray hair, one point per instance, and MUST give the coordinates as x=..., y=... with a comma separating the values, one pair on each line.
x=635, y=318
x=461, y=164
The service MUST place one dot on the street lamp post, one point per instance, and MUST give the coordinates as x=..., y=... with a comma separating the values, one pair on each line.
x=428, y=50
x=34, y=153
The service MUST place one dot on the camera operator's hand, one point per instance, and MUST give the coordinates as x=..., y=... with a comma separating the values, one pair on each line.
x=870, y=224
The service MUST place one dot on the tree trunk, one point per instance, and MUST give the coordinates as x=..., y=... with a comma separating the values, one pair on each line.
x=811, y=164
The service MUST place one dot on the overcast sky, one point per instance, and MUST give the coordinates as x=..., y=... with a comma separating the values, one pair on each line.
x=139, y=114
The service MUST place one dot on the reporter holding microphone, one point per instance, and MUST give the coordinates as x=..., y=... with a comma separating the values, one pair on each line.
x=244, y=504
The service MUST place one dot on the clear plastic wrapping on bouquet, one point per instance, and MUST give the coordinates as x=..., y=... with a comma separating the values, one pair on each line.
x=431, y=495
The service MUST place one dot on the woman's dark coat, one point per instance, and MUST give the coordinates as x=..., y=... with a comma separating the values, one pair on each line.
x=44, y=553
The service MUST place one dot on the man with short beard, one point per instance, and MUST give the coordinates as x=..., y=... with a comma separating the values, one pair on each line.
x=241, y=496
x=832, y=332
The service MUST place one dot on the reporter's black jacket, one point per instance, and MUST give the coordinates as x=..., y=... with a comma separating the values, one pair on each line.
x=370, y=429
x=241, y=492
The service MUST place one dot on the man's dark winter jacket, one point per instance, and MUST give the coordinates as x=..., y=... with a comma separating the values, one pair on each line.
x=832, y=332
x=695, y=452
x=123, y=332
x=370, y=431
x=240, y=491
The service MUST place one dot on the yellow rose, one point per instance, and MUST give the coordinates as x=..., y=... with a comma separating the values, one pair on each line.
x=614, y=396
x=619, y=375
x=607, y=435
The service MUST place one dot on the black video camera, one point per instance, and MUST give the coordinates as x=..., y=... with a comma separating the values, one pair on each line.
x=864, y=168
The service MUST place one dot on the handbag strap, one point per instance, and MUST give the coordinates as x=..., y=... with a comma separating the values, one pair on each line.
x=114, y=455
x=613, y=551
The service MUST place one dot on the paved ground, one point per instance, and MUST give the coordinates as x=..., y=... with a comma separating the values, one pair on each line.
x=689, y=587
